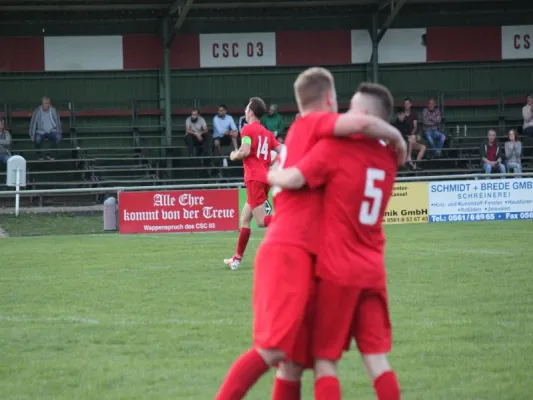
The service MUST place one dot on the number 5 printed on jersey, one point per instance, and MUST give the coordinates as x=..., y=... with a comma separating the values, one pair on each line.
x=369, y=213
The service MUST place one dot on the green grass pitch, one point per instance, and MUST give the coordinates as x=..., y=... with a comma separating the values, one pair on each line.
x=159, y=317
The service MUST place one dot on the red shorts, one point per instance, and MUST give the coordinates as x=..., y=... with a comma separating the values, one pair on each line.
x=256, y=193
x=342, y=313
x=283, y=276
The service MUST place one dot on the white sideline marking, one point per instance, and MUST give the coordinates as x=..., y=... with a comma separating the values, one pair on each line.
x=465, y=251
x=153, y=268
x=27, y=278
x=90, y=321
x=221, y=322
x=24, y=318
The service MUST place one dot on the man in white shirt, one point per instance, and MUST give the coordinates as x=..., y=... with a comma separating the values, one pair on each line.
x=195, y=134
x=224, y=131
x=527, y=114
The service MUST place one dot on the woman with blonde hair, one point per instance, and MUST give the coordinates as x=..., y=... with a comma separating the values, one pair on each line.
x=513, y=152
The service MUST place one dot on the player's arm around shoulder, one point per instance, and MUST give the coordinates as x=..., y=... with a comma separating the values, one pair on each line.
x=372, y=127
x=288, y=178
x=314, y=170
x=246, y=145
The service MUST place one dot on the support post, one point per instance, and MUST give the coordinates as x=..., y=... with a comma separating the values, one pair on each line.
x=378, y=33
x=375, y=48
x=17, y=196
x=166, y=88
x=395, y=9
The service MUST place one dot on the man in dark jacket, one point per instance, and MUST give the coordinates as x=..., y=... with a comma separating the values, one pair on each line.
x=5, y=142
x=491, y=154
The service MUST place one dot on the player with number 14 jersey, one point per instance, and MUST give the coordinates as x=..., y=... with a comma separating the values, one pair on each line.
x=257, y=143
x=262, y=142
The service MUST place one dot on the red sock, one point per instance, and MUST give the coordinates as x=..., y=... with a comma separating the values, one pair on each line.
x=242, y=376
x=327, y=388
x=267, y=220
x=387, y=387
x=286, y=390
x=244, y=236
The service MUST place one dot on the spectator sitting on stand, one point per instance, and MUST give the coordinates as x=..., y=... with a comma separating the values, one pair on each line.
x=5, y=142
x=431, y=121
x=413, y=140
x=45, y=124
x=273, y=121
x=513, y=153
x=527, y=114
x=195, y=134
x=491, y=155
x=224, y=131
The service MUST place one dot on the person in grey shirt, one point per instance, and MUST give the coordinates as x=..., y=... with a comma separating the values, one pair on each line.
x=513, y=153
x=5, y=142
x=45, y=124
x=196, y=134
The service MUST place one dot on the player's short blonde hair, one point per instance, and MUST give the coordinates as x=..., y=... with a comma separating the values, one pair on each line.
x=312, y=85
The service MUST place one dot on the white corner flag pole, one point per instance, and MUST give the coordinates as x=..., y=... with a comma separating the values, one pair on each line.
x=17, y=196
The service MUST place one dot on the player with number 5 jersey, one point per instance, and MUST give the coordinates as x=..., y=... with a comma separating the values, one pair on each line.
x=257, y=144
x=356, y=178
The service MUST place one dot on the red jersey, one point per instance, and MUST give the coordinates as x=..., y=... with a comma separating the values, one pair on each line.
x=358, y=178
x=296, y=216
x=262, y=142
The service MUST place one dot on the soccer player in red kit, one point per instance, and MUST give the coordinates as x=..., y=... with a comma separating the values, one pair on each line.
x=350, y=298
x=255, y=151
x=283, y=273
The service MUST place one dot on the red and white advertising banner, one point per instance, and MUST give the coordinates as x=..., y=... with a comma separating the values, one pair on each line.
x=179, y=211
x=265, y=49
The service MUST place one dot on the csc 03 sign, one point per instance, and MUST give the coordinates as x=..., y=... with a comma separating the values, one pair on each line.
x=485, y=200
x=237, y=50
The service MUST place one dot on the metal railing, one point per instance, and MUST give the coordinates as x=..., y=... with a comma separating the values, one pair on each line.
x=117, y=189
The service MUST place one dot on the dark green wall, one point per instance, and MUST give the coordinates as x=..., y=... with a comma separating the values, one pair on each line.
x=235, y=87
x=94, y=90
x=207, y=88
x=459, y=80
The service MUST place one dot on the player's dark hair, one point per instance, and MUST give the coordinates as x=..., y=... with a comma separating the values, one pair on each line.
x=258, y=106
x=382, y=95
x=223, y=106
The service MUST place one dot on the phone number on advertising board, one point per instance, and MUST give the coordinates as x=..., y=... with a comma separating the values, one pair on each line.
x=481, y=217
x=462, y=217
x=402, y=220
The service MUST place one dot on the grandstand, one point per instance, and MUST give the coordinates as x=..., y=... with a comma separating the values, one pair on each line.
x=127, y=127
x=125, y=144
